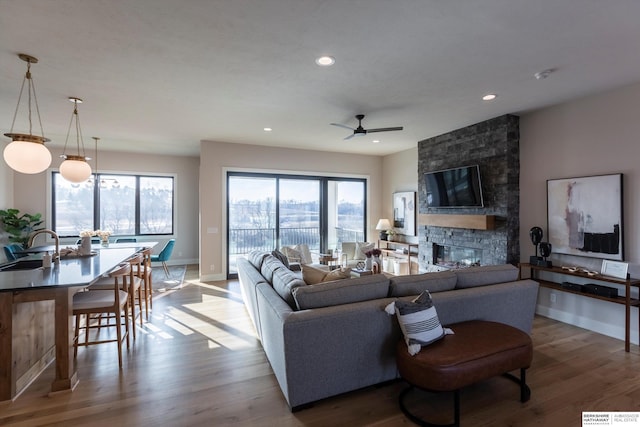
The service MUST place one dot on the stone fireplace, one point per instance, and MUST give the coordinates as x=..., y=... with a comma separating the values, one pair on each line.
x=494, y=146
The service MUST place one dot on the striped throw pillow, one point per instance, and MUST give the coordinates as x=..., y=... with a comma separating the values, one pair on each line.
x=419, y=322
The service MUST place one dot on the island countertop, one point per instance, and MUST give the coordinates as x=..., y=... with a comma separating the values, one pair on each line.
x=68, y=271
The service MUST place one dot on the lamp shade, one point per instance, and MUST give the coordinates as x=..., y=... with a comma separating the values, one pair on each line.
x=27, y=157
x=75, y=169
x=383, y=224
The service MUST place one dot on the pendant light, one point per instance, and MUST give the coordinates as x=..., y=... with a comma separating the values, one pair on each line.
x=75, y=167
x=27, y=153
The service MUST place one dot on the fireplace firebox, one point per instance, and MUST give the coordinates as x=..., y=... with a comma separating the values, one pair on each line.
x=455, y=256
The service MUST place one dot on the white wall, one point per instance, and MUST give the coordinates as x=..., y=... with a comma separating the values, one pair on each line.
x=399, y=173
x=591, y=136
x=29, y=193
x=217, y=157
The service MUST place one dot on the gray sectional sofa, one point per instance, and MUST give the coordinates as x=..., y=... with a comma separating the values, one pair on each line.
x=335, y=337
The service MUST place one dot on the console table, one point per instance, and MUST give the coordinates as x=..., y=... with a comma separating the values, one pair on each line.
x=408, y=251
x=626, y=300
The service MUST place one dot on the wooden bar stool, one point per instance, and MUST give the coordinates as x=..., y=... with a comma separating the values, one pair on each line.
x=113, y=302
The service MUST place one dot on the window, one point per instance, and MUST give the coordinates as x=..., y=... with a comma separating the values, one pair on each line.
x=122, y=204
x=267, y=211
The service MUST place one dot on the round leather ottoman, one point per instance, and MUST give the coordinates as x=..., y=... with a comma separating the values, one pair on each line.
x=477, y=350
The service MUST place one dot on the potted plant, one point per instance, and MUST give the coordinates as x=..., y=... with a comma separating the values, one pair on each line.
x=19, y=226
x=390, y=234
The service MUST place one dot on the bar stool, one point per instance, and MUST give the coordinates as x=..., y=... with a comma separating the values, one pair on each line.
x=114, y=302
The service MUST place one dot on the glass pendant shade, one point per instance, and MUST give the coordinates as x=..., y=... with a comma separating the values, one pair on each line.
x=27, y=153
x=27, y=156
x=75, y=169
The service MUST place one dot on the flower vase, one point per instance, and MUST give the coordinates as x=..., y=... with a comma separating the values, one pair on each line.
x=367, y=264
x=105, y=241
x=85, y=245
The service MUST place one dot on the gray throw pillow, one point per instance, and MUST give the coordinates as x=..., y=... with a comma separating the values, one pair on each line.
x=282, y=257
x=418, y=321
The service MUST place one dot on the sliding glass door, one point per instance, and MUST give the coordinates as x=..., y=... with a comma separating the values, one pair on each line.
x=268, y=211
x=299, y=213
x=251, y=216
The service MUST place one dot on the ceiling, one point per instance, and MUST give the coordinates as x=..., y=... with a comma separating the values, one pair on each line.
x=163, y=75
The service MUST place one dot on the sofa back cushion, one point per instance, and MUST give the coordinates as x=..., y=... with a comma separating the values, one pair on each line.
x=485, y=275
x=349, y=250
x=269, y=266
x=285, y=282
x=256, y=258
x=362, y=248
x=298, y=253
x=417, y=283
x=343, y=291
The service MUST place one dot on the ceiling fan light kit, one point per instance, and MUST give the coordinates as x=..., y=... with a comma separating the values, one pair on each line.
x=360, y=131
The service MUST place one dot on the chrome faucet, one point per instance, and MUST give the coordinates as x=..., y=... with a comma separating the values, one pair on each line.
x=32, y=236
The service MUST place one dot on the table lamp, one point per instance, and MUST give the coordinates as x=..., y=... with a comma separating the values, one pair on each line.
x=383, y=225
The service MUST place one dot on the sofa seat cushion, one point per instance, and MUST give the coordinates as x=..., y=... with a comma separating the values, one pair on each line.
x=415, y=284
x=485, y=275
x=285, y=282
x=343, y=291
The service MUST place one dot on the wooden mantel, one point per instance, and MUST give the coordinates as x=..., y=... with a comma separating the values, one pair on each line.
x=474, y=222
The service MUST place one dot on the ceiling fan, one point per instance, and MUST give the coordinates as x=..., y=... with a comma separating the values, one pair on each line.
x=360, y=131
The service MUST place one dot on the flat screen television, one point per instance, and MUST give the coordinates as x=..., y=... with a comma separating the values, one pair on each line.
x=454, y=188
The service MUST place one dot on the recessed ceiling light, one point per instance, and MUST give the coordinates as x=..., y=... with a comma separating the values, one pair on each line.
x=489, y=97
x=375, y=141
x=325, y=61
x=267, y=129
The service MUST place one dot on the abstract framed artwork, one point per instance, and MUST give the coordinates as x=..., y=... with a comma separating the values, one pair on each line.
x=404, y=212
x=584, y=216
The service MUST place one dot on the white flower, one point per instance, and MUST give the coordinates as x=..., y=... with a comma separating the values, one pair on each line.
x=87, y=233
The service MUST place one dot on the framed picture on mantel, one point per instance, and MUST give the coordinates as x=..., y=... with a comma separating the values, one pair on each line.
x=584, y=216
x=404, y=212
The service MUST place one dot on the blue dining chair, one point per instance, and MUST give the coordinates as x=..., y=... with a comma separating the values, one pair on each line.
x=12, y=251
x=126, y=240
x=164, y=256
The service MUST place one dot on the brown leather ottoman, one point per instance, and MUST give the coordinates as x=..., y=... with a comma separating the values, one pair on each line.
x=477, y=351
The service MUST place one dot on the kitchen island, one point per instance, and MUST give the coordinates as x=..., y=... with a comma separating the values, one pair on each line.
x=58, y=284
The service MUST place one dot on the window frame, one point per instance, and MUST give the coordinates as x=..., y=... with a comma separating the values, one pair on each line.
x=323, y=179
x=96, y=201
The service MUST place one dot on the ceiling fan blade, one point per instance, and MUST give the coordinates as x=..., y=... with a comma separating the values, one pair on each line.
x=355, y=134
x=385, y=129
x=341, y=126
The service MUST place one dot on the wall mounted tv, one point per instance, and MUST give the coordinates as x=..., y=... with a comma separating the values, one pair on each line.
x=454, y=188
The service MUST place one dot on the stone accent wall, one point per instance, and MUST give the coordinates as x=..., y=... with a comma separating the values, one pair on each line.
x=494, y=145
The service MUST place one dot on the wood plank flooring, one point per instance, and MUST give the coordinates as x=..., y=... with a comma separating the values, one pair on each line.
x=198, y=363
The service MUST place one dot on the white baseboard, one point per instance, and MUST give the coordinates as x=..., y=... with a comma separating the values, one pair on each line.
x=614, y=331
x=213, y=277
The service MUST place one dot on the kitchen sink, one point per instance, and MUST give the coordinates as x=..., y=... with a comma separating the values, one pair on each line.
x=30, y=264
